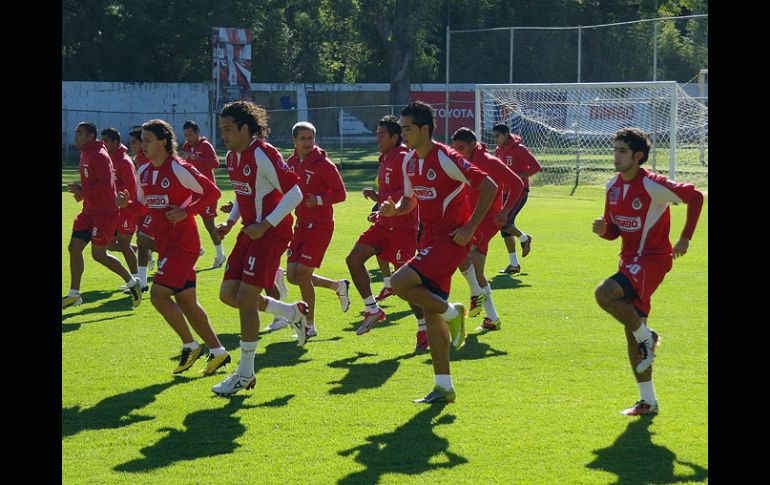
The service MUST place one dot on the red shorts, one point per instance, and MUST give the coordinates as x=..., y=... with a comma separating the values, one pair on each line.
x=483, y=235
x=394, y=245
x=175, y=268
x=126, y=222
x=645, y=276
x=146, y=226
x=102, y=227
x=255, y=261
x=309, y=243
x=208, y=212
x=437, y=259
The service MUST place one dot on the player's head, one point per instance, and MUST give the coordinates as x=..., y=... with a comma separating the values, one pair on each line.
x=240, y=121
x=416, y=124
x=388, y=133
x=135, y=139
x=158, y=139
x=303, y=136
x=191, y=131
x=500, y=133
x=111, y=139
x=464, y=141
x=632, y=147
x=84, y=132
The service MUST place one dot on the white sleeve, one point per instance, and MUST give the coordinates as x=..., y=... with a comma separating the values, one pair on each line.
x=451, y=169
x=235, y=213
x=139, y=192
x=408, y=190
x=290, y=200
x=659, y=193
x=186, y=178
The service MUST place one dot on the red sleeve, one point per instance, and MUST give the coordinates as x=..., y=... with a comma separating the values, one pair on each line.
x=612, y=231
x=694, y=206
x=101, y=165
x=210, y=193
x=127, y=175
x=287, y=177
x=506, y=180
x=335, y=187
x=208, y=157
x=525, y=157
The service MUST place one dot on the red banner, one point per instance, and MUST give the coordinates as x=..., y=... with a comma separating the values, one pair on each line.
x=461, y=110
x=231, y=64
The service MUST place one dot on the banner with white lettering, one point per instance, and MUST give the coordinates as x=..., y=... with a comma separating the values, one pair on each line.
x=461, y=109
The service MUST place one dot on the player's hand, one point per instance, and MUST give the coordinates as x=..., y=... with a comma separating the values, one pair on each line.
x=256, y=230
x=680, y=248
x=176, y=215
x=186, y=155
x=223, y=229
x=78, y=197
x=599, y=226
x=388, y=208
x=370, y=193
x=462, y=235
x=373, y=216
x=121, y=199
x=227, y=208
x=76, y=190
x=501, y=218
x=311, y=200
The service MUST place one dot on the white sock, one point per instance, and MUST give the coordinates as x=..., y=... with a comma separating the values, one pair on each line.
x=642, y=333
x=386, y=281
x=246, y=365
x=132, y=282
x=450, y=312
x=192, y=345
x=444, y=381
x=143, y=275
x=470, y=276
x=371, y=304
x=523, y=238
x=647, y=392
x=220, y=251
x=73, y=292
x=217, y=351
x=421, y=325
x=277, y=307
x=136, y=277
x=489, y=306
x=341, y=286
x=514, y=259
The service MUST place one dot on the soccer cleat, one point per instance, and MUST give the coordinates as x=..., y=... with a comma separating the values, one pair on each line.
x=476, y=304
x=283, y=291
x=136, y=293
x=343, y=296
x=188, y=358
x=641, y=408
x=310, y=331
x=384, y=293
x=68, y=301
x=438, y=394
x=511, y=270
x=234, y=383
x=489, y=324
x=370, y=319
x=215, y=362
x=647, y=349
x=525, y=247
x=127, y=291
x=219, y=261
x=277, y=324
x=299, y=324
x=457, y=326
x=422, y=340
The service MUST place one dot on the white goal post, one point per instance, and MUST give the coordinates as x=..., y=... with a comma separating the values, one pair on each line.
x=568, y=127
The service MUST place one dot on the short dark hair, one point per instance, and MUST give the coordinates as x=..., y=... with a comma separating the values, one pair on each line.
x=111, y=133
x=191, y=124
x=464, y=134
x=88, y=126
x=390, y=122
x=501, y=128
x=421, y=113
x=637, y=140
x=248, y=113
x=163, y=131
x=136, y=132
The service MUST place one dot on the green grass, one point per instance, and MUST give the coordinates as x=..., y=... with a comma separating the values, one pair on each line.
x=538, y=402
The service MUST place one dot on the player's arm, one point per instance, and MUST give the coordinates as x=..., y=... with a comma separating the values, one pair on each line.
x=664, y=191
x=487, y=191
x=510, y=182
x=208, y=157
x=529, y=161
x=285, y=181
x=335, y=187
x=604, y=227
x=406, y=203
x=235, y=213
x=191, y=178
x=136, y=204
x=100, y=182
x=694, y=206
x=126, y=172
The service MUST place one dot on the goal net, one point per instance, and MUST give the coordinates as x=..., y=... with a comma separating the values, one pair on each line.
x=569, y=127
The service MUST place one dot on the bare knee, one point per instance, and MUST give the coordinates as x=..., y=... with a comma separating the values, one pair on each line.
x=228, y=298
x=607, y=292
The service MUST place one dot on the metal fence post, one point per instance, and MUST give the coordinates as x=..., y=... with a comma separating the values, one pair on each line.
x=579, y=51
x=655, y=51
x=342, y=130
x=510, y=60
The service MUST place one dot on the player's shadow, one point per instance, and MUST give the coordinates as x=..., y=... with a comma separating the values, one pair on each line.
x=280, y=354
x=502, y=281
x=473, y=350
x=69, y=327
x=205, y=433
x=636, y=460
x=364, y=375
x=115, y=411
x=116, y=305
x=411, y=449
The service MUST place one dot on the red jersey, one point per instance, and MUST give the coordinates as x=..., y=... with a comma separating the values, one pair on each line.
x=206, y=160
x=125, y=176
x=390, y=181
x=260, y=178
x=174, y=184
x=514, y=154
x=140, y=160
x=507, y=181
x=439, y=183
x=638, y=212
x=317, y=176
x=97, y=179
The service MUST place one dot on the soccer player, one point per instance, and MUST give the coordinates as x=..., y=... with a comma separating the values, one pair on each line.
x=144, y=241
x=394, y=239
x=435, y=177
x=200, y=153
x=636, y=209
x=266, y=191
x=173, y=191
x=322, y=187
x=97, y=221
x=125, y=179
x=464, y=141
x=519, y=159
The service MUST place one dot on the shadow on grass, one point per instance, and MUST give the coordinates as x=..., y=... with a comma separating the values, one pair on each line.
x=70, y=327
x=473, y=350
x=114, y=411
x=118, y=305
x=411, y=449
x=392, y=319
x=364, y=375
x=502, y=281
x=636, y=460
x=205, y=433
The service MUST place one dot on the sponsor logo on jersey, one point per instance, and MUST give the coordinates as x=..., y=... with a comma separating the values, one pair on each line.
x=636, y=204
x=157, y=201
x=425, y=193
x=246, y=170
x=431, y=174
x=165, y=183
x=628, y=224
x=241, y=188
x=613, y=195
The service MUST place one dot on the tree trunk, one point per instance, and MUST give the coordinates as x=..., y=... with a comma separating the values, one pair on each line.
x=398, y=42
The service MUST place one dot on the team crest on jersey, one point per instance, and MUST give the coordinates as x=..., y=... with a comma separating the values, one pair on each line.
x=431, y=174
x=246, y=170
x=288, y=252
x=283, y=166
x=636, y=204
x=165, y=183
x=466, y=164
x=613, y=195
x=509, y=160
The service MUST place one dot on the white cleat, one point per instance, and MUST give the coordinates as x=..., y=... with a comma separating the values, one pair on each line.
x=299, y=324
x=234, y=383
x=277, y=324
x=342, y=294
x=219, y=261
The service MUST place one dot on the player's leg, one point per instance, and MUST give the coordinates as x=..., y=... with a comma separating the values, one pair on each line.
x=386, y=289
x=648, y=402
x=160, y=296
x=146, y=245
x=469, y=272
x=78, y=243
x=302, y=276
x=210, y=224
x=124, y=245
x=356, y=262
x=439, y=338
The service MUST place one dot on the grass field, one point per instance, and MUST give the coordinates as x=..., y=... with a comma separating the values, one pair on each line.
x=537, y=402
